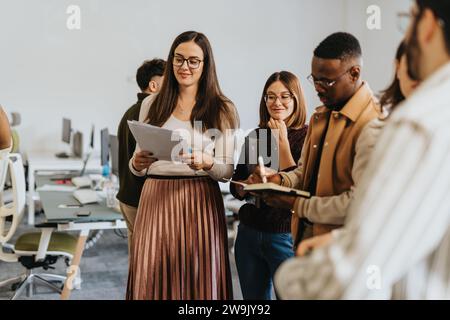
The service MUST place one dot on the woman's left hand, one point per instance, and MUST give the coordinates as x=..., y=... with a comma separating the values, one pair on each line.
x=198, y=160
x=281, y=126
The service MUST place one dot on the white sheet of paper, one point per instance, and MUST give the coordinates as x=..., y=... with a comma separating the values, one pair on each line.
x=156, y=140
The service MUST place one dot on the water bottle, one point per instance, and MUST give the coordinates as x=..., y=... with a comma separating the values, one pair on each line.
x=109, y=187
x=110, y=191
x=106, y=171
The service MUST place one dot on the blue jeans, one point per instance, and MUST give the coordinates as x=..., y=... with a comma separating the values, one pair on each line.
x=258, y=255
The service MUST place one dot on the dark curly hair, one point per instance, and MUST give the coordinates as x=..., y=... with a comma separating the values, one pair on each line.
x=148, y=70
x=339, y=45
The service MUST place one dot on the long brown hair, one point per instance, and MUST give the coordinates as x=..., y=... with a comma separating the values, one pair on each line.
x=298, y=117
x=212, y=108
x=392, y=95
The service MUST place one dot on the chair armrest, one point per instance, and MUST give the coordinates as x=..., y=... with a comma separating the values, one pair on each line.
x=43, y=243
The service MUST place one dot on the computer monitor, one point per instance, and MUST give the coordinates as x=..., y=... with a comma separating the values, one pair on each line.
x=114, y=146
x=66, y=130
x=88, y=155
x=104, y=152
x=92, y=137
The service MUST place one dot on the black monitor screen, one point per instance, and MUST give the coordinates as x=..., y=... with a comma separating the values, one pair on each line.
x=66, y=130
x=114, y=145
x=91, y=143
x=104, y=137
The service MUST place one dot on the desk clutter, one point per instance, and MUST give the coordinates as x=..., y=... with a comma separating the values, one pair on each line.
x=86, y=189
x=71, y=202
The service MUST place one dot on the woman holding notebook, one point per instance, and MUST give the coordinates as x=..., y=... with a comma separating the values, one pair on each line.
x=179, y=248
x=264, y=241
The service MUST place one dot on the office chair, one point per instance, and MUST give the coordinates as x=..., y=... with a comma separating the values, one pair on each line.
x=33, y=249
x=4, y=158
x=16, y=120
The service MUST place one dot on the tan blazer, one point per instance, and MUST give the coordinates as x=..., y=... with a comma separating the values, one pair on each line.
x=338, y=152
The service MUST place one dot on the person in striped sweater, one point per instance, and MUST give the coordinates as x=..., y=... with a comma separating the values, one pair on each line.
x=396, y=242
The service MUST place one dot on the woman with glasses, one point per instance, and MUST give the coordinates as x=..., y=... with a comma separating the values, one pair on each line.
x=263, y=240
x=179, y=248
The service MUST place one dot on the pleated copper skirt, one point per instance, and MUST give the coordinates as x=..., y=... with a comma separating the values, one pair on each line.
x=180, y=246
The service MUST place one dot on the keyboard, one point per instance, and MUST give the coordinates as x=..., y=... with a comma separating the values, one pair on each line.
x=82, y=182
x=86, y=196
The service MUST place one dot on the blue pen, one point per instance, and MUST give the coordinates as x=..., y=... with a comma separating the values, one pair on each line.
x=189, y=151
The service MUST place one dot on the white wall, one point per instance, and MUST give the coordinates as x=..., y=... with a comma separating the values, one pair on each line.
x=48, y=72
x=379, y=46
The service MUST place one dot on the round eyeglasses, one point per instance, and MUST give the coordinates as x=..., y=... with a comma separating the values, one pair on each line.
x=271, y=98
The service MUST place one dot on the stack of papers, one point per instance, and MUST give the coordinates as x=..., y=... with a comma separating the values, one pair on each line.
x=159, y=141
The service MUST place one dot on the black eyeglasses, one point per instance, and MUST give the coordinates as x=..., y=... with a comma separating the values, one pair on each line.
x=193, y=63
x=327, y=83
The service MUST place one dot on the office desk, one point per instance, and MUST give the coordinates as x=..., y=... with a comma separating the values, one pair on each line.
x=65, y=219
x=48, y=161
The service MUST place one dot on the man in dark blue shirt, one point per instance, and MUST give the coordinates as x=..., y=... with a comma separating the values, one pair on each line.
x=149, y=77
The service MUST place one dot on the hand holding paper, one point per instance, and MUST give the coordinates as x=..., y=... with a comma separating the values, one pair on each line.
x=142, y=160
x=159, y=141
x=198, y=160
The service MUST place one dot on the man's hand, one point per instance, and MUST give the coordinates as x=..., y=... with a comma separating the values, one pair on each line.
x=142, y=160
x=271, y=175
x=310, y=244
x=278, y=201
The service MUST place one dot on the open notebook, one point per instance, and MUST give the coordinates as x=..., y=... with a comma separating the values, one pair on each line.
x=273, y=188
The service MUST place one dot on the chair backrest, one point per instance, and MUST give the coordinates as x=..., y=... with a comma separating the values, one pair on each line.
x=15, y=141
x=4, y=158
x=16, y=208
